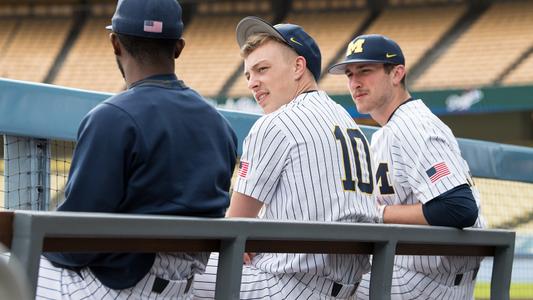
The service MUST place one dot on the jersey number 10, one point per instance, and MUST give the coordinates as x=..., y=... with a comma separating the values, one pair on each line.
x=355, y=136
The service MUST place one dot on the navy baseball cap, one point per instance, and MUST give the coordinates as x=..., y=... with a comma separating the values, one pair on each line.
x=157, y=19
x=370, y=48
x=293, y=35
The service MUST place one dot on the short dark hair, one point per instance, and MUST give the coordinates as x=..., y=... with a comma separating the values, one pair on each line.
x=148, y=50
x=388, y=68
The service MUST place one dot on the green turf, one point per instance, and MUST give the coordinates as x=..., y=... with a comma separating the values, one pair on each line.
x=520, y=291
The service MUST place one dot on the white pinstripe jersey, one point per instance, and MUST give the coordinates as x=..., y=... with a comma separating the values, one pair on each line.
x=58, y=283
x=406, y=151
x=297, y=158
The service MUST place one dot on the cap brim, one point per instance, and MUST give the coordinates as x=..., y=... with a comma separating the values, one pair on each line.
x=109, y=27
x=253, y=25
x=340, y=68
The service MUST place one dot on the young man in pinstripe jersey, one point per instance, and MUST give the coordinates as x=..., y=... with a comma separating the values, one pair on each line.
x=300, y=162
x=420, y=173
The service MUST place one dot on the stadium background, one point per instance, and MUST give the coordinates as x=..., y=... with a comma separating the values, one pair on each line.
x=471, y=61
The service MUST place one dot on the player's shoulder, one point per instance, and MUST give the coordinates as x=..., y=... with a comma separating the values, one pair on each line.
x=121, y=97
x=414, y=121
x=110, y=115
x=116, y=104
x=108, y=108
x=280, y=122
x=316, y=101
x=278, y=118
x=266, y=123
x=317, y=106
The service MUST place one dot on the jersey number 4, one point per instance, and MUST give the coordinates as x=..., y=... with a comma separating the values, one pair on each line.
x=355, y=136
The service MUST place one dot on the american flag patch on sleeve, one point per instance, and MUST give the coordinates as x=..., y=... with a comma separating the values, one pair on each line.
x=243, y=169
x=437, y=172
x=153, y=26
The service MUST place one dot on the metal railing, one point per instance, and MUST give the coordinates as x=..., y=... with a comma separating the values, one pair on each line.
x=35, y=232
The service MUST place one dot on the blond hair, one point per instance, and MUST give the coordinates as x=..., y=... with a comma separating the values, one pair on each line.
x=257, y=40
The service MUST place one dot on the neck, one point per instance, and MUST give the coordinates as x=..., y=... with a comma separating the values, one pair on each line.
x=305, y=86
x=383, y=115
x=136, y=72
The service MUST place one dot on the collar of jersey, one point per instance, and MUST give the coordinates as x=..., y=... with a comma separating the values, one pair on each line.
x=302, y=96
x=406, y=101
x=163, y=80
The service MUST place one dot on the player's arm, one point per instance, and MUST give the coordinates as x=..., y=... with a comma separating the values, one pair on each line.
x=434, y=167
x=243, y=206
x=454, y=208
x=404, y=214
x=106, y=141
x=96, y=177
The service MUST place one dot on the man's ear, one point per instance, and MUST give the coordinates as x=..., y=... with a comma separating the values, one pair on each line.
x=300, y=67
x=397, y=74
x=180, y=44
x=117, y=47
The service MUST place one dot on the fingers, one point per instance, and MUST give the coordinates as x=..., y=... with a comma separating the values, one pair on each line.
x=247, y=258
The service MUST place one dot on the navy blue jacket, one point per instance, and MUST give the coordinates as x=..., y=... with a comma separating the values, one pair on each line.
x=158, y=148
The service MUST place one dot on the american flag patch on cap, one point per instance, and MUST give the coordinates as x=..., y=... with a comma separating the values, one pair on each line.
x=243, y=168
x=437, y=172
x=153, y=26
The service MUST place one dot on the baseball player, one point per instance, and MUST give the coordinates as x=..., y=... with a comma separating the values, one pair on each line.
x=143, y=151
x=420, y=174
x=305, y=160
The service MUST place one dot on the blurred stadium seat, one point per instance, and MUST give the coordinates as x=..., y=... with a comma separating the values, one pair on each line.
x=523, y=74
x=6, y=30
x=498, y=38
x=32, y=47
x=211, y=54
x=90, y=64
x=415, y=29
x=417, y=25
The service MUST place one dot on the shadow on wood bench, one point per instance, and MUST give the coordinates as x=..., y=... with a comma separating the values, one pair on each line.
x=29, y=233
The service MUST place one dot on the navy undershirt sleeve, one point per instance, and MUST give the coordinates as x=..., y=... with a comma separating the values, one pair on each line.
x=455, y=208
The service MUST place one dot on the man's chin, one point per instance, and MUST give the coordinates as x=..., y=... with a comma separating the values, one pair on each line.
x=361, y=110
x=269, y=109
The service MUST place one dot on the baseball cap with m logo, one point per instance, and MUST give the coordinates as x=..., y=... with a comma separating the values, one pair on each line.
x=370, y=48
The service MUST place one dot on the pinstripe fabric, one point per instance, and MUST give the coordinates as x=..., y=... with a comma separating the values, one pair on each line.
x=257, y=284
x=412, y=142
x=407, y=284
x=295, y=167
x=56, y=283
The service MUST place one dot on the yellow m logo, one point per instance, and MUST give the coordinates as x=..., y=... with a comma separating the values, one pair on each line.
x=355, y=47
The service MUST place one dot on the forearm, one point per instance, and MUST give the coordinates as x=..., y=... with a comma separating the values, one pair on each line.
x=404, y=214
x=243, y=206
